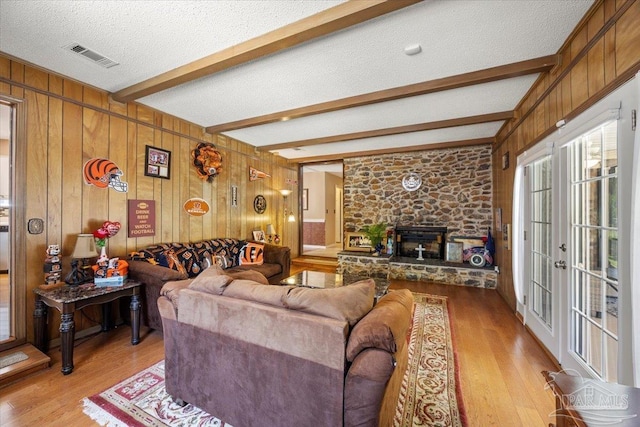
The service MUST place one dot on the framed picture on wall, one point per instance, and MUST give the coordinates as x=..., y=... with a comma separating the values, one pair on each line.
x=157, y=162
x=305, y=199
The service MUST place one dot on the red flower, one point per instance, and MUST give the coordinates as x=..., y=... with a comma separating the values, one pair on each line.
x=101, y=233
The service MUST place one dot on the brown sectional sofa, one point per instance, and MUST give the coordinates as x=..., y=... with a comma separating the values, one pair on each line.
x=158, y=264
x=285, y=356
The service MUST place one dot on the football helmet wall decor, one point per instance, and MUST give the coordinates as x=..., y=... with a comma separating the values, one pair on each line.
x=103, y=173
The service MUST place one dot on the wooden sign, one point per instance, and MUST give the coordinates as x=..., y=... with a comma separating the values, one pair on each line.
x=196, y=206
x=142, y=218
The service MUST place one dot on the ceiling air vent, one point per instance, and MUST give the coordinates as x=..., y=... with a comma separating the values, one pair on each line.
x=92, y=55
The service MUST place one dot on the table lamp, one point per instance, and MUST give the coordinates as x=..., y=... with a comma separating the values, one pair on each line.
x=85, y=248
x=270, y=232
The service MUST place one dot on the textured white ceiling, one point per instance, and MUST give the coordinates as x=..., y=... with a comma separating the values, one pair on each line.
x=151, y=37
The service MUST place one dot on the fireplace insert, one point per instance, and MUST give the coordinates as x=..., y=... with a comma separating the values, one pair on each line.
x=409, y=239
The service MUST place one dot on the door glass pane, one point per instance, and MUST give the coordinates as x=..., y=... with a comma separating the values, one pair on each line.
x=6, y=310
x=594, y=244
x=540, y=285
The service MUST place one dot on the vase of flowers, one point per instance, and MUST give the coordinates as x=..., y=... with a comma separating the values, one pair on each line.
x=108, y=229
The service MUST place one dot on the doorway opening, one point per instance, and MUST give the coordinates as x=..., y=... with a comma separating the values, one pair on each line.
x=322, y=209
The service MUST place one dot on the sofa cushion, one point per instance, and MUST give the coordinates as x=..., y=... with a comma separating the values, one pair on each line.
x=212, y=280
x=252, y=254
x=383, y=326
x=267, y=270
x=252, y=291
x=248, y=275
x=349, y=303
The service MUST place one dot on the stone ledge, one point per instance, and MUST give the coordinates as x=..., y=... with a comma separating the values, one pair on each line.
x=365, y=264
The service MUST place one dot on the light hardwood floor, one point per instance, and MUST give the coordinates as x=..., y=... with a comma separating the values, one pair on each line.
x=500, y=365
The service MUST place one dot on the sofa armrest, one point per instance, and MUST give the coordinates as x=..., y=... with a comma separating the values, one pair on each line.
x=141, y=269
x=274, y=254
x=365, y=387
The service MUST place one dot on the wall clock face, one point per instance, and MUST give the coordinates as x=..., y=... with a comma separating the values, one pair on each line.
x=260, y=204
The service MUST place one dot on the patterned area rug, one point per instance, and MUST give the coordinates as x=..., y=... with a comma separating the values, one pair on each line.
x=429, y=396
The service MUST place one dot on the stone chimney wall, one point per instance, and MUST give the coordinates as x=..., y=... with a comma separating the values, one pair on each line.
x=456, y=190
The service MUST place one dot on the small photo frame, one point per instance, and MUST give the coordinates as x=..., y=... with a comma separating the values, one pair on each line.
x=258, y=235
x=157, y=162
x=357, y=242
x=454, y=252
x=305, y=199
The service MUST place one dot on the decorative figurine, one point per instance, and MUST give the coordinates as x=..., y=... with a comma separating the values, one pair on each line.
x=52, y=266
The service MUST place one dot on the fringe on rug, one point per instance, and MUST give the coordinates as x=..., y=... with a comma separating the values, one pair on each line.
x=99, y=415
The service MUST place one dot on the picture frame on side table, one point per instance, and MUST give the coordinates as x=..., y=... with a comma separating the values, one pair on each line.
x=258, y=235
x=357, y=242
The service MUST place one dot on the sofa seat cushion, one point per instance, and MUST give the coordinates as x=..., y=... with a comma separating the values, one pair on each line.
x=267, y=270
x=349, y=303
x=384, y=326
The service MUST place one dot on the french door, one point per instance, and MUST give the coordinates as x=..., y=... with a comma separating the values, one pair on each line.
x=572, y=216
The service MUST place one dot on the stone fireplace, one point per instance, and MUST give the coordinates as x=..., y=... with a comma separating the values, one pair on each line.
x=410, y=238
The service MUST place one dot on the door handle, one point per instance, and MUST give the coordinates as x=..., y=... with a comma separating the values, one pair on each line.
x=560, y=264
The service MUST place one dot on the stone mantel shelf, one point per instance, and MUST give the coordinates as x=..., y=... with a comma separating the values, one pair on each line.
x=386, y=266
x=414, y=261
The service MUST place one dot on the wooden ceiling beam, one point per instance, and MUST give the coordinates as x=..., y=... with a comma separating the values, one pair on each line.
x=516, y=69
x=320, y=24
x=420, y=127
x=394, y=150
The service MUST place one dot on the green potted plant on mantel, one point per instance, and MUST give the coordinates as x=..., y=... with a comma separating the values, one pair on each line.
x=376, y=234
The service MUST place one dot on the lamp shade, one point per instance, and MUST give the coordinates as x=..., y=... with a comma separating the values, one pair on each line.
x=270, y=229
x=285, y=192
x=85, y=247
x=291, y=218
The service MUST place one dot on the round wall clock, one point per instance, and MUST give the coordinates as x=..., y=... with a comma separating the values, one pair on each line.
x=260, y=204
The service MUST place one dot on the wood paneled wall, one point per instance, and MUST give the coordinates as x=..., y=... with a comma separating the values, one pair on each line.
x=602, y=53
x=68, y=123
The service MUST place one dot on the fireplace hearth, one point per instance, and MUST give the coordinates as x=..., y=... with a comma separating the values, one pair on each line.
x=409, y=239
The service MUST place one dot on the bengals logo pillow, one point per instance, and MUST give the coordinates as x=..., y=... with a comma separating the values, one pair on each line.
x=252, y=254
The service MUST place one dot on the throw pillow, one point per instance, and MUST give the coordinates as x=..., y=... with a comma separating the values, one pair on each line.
x=252, y=254
x=349, y=303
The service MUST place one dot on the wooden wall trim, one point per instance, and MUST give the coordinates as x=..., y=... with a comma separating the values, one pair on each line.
x=229, y=148
x=583, y=52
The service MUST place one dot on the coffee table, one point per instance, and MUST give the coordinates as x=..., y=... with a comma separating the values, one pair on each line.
x=68, y=299
x=318, y=279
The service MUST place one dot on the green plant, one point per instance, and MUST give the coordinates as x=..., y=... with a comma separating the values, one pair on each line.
x=375, y=233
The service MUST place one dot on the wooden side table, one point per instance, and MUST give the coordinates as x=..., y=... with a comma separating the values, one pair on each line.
x=586, y=402
x=68, y=299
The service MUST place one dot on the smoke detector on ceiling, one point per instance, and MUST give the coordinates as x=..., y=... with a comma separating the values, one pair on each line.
x=91, y=55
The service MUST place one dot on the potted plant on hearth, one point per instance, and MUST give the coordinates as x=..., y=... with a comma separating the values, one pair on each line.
x=375, y=233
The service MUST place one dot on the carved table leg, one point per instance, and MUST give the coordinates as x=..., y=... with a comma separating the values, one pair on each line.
x=40, y=327
x=135, y=319
x=67, y=335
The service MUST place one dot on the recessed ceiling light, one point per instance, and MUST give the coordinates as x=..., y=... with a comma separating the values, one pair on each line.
x=413, y=49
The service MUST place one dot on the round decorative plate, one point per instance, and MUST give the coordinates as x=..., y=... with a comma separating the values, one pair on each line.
x=260, y=204
x=411, y=181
